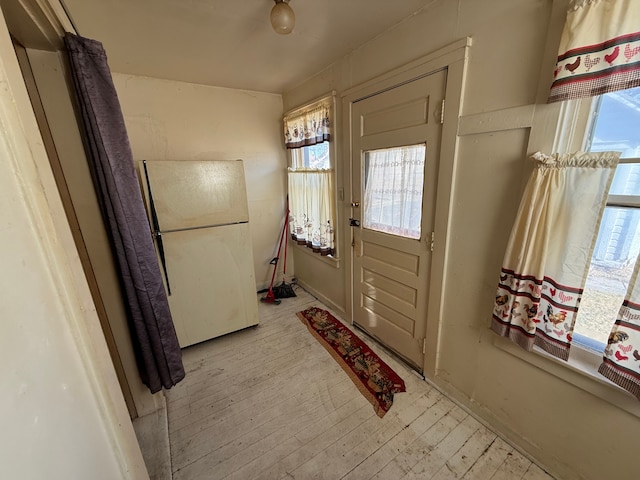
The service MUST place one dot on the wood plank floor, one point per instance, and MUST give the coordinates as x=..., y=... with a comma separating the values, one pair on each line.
x=270, y=403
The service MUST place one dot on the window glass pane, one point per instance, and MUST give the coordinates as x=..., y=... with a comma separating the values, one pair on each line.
x=627, y=179
x=611, y=267
x=394, y=179
x=616, y=127
x=316, y=156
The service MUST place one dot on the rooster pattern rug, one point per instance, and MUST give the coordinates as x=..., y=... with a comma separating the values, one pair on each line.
x=374, y=378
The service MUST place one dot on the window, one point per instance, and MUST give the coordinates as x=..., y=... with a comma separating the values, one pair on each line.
x=313, y=157
x=311, y=182
x=394, y=179
x=615, y=118
x=564, y=232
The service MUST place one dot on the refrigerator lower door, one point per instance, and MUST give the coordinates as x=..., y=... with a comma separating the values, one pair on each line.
x=213, y=289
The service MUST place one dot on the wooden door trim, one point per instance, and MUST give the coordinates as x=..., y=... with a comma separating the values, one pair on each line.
x=454, y=58
x=24, y=153
x=76, y=231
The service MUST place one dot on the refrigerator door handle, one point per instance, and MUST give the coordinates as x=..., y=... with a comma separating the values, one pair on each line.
x=163, y=260
x=156, y=229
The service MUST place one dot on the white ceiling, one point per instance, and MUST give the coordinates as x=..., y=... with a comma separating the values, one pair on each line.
x=230, y=43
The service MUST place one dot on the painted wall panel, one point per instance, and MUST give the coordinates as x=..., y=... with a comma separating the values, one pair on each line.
x=169, y=120
x=483, y=212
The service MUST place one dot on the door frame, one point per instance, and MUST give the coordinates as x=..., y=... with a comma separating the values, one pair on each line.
x=454, y=57
x=45, y=22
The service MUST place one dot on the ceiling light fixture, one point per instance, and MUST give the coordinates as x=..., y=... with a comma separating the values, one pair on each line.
x=282, y=17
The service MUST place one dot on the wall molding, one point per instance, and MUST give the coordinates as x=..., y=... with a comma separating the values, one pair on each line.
x=497, y=121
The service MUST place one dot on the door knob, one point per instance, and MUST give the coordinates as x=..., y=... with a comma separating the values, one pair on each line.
x=354, y=223
x=355, y=204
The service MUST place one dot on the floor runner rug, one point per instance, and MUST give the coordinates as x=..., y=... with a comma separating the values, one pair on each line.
x=374, y=378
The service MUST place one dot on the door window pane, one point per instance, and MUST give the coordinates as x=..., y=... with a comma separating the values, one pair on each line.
x=394, y=179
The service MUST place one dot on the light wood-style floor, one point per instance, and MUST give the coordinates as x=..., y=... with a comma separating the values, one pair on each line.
x=270, y=403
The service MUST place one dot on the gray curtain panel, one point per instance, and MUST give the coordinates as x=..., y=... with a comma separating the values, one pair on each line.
x=112, y=168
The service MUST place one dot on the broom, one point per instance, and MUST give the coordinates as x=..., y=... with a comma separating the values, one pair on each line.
x=284, y=290
x=270, y=297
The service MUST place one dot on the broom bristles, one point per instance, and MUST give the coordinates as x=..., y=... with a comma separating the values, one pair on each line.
x=283, y=290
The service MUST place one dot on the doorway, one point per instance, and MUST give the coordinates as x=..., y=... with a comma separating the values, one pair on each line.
x=395, y=150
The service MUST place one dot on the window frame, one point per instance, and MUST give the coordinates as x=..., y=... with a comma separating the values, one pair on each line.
x=295, y=152
x=331, y=260
x=365, y=183
x=553, y=127
x=564, y=127
x=576, y=127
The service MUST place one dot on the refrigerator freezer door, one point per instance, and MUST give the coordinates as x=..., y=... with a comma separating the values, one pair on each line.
x=193, y=194
x=213, y=288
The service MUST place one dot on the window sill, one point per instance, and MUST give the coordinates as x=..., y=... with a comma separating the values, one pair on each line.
x=331, y=261
x=581, y=371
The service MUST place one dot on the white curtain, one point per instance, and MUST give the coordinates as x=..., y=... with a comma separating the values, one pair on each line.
x=394, y=181
x=599, y=50
x=621, y=362
x=549, y=251
x=312, y=217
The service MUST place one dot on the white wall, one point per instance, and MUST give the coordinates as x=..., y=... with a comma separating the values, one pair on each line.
x=169, y=120
x=49, y=76
x=61, y=410
x=574, y=433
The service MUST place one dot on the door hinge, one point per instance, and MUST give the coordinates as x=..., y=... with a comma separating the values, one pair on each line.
x=433, y=240
x=424, y=346
x=442, y=112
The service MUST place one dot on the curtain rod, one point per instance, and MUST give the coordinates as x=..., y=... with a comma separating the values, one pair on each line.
x=66, y=11
x=301, y=108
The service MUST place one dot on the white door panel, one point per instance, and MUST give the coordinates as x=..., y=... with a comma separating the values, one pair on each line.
x=395, y=117
x=391, y=271
x=190, y=193
x=212, y=281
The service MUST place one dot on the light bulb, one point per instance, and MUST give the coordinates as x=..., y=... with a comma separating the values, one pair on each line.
x=282, y=18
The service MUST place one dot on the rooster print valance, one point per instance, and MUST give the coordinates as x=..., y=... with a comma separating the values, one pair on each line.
x=599, y=50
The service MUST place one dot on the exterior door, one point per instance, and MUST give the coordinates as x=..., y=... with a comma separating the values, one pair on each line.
x=395, y=150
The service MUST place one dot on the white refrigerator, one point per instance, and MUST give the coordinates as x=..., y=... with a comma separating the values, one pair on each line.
x=200, y=224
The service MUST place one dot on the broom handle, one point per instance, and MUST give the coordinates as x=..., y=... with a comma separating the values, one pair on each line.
x=286, y=239
x=275, y=266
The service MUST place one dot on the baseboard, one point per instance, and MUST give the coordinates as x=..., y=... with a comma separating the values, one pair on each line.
x=329, y=303
x=490, y=421
x=152, y=431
